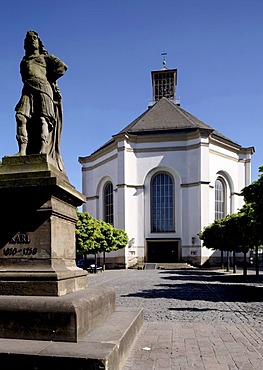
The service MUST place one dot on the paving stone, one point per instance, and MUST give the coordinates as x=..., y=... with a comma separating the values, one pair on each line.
x=194, y=319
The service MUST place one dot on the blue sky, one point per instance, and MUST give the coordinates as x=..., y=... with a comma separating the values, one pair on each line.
x=111, y=46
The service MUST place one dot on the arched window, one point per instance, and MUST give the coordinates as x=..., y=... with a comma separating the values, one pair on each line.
x=220, y=199
x=108, y=203
x=162, y=203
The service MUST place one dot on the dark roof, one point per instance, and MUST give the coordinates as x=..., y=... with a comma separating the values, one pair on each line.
x=167, y=116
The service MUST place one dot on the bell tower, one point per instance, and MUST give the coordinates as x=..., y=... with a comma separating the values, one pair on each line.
x=164, y=83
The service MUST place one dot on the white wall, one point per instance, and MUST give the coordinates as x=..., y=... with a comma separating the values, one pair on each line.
x=194, y=165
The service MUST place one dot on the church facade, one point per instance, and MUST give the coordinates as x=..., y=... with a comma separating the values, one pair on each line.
x=162, y=179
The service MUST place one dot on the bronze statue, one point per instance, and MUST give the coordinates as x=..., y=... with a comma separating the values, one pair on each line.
x=39, y=110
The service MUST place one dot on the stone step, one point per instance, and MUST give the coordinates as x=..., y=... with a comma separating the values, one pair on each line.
x=64, y=319
x=173, y=266
x=162, y=266
x=150, y=266
x=105, y=348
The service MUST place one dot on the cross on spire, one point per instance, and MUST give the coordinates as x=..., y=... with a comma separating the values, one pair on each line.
x=164, y=61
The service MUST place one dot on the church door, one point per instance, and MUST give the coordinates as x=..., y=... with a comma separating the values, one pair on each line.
x=162, y=251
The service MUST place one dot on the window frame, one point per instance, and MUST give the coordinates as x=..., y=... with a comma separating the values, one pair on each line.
x=220, y=199
x=164, y=206
x=108, y=203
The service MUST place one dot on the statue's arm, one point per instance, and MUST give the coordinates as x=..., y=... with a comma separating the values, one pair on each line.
x=22, y=70
x=56, y=68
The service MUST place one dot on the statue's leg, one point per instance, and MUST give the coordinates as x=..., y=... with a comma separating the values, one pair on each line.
x=44, y=135
x=21, y=136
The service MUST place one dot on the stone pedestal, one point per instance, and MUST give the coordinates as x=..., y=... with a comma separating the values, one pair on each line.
x=49, y=318
x=37, y=239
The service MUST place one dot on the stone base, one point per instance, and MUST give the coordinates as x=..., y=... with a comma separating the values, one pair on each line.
x=81, y=331
x=37, y=239
x=42, y=283
x=68, y=318
x=106, y=347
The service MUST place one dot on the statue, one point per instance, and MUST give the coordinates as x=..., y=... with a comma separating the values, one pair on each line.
x=39, y=110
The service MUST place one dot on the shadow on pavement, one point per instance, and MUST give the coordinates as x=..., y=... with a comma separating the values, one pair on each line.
x=212, y=276
x=197, y=285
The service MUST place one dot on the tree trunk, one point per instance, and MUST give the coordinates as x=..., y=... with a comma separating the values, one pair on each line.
x=227, y=261
x=95, y=269
x=245, y=264
x=222, y=259
x=257, y=262
x=234, y=263
x=103, y=262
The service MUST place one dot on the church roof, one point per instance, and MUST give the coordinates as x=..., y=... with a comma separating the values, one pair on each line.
x=167, y=116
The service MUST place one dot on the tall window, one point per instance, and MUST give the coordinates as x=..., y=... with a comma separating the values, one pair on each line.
x=162, y=203
x=220, y=199
x=108, y=203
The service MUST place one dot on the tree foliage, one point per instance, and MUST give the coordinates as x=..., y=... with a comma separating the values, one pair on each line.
x=253, y=196
x=95, y=236
x=232, y=233
x=243, y=230
x=212, y=235
x=88, y=234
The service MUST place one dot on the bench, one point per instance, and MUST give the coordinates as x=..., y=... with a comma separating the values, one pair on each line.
x=92, y=269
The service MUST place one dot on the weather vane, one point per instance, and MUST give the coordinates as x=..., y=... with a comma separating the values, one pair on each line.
x=164, y=61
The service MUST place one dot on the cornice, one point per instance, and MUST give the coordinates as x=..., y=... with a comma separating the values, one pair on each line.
x=223, y=143
x=94, y=197
x=130, y=186
x=192, y=184
x=212, y=151
x=161, y=137
x=109, y=159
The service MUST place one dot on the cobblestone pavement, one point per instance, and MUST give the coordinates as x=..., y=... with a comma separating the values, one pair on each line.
x=194, y=318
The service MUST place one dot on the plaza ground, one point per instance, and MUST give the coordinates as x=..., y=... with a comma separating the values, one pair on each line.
x=194, y=318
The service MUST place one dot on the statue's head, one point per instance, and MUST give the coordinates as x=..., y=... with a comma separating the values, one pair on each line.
x=32, y=42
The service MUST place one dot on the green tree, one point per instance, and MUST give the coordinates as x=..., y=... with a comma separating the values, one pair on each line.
x=214, y=237
x=113, y=239
x=231, y=234
x=121, y=238
x=88, y=234
x=95, y=236
x=241, y=231
x=253, y=196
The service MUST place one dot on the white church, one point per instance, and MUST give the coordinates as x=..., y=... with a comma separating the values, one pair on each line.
x=162, y=179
